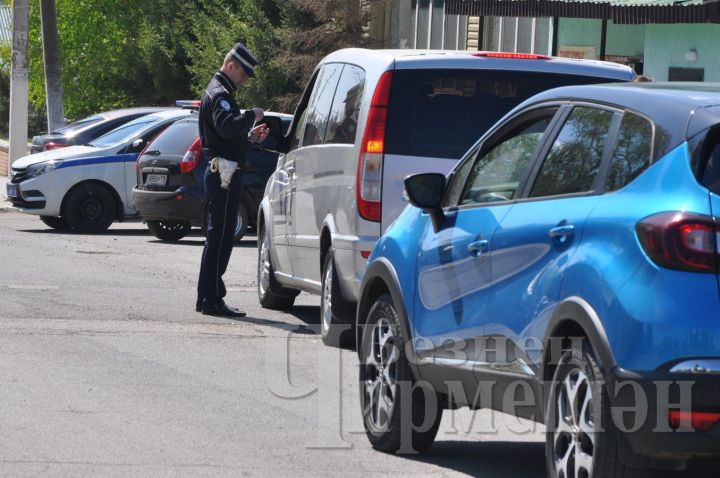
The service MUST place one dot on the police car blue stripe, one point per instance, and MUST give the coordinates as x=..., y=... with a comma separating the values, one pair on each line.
x=121, y=158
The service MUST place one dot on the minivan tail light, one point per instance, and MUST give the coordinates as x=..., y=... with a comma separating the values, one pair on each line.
x=681, y=241
x=372, y=149
x=191, y=158
x=53, y=145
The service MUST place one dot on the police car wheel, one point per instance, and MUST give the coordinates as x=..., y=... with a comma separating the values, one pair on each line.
x=271, y=294
x=170, y=231
x=242, y=224
x=57, y=223
x=89, y=209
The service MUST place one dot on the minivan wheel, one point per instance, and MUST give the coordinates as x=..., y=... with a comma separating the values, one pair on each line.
x=334, y=332
x=170, y=231
x=271, y=294
x=242, y=224
x=57, y=223
x=581, y=440
x=89, y=208
x=388, y=388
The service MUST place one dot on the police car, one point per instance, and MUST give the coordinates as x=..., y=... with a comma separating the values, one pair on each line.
x=86, y=188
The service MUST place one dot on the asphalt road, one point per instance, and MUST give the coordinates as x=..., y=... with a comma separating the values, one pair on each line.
x=106, y=369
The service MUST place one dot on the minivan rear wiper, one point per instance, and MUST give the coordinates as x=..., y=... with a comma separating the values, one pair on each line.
x=152, y=152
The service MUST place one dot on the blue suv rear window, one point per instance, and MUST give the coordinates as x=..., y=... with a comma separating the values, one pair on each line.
x=442, y=112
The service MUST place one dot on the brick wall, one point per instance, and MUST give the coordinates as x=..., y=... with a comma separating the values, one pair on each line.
x=4, y=148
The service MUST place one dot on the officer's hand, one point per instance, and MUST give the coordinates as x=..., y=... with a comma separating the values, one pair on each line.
x=259, y=114
x=259, y=133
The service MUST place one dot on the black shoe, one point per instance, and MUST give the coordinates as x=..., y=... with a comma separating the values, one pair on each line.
x=222, y=311
x=198, y=305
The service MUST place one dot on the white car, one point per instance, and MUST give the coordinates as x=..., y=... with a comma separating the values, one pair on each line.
x=368, y=119
x=86, y=188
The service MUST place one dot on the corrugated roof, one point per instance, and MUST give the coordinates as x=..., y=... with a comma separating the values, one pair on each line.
x=5, y=24
x=619, y=11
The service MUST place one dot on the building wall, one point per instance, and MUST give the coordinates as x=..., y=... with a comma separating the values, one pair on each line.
x=666, y=45
x=623, y=40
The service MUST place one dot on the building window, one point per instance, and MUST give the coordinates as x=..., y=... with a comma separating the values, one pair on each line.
x=686, y=74
x=517, y=34
x=432, y=28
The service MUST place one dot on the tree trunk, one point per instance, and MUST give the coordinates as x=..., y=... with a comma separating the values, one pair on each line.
x=19, y=82
x=51, y=54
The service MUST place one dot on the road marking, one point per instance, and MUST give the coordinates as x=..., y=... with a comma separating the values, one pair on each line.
x=32, y=287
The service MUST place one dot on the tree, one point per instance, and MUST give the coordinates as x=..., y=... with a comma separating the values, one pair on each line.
x=120, y=53
x=51, y=55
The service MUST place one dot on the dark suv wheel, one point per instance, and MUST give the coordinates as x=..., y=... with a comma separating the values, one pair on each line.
x=387, y=387
x=242, y=224
x=170, y=231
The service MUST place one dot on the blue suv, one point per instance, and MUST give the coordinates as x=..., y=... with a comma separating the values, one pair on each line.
x=566, y=271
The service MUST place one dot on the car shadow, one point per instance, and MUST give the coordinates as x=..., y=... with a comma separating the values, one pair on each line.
x=487, y=459
x=109, y=232
x=500, y=459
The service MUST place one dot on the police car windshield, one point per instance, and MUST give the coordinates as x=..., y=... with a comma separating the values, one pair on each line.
x=122, y=134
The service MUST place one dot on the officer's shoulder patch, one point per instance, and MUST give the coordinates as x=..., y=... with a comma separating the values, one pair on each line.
x=225, y=104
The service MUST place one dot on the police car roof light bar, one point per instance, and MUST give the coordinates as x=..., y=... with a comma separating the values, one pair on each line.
x=191, y=104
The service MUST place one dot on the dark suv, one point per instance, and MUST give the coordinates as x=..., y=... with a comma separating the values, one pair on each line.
x=170, y=195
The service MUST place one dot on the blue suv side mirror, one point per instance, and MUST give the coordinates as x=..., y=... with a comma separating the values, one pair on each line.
x=426, y=191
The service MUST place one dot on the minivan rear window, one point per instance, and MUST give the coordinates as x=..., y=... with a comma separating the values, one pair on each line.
x=442, y=112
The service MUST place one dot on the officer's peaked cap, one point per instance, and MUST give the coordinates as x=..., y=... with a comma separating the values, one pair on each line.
x=242, y=55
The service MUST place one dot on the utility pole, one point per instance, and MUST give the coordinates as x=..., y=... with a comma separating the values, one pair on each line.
x=19, y=82
x=51, y=55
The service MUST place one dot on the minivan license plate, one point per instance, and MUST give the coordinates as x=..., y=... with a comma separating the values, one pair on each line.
x=156, y=180
x=12, y=191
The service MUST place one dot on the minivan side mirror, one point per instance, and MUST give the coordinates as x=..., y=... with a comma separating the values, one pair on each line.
x=426, y=191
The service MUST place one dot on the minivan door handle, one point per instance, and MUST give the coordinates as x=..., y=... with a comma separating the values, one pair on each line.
x=478, y=248
x=562, y=233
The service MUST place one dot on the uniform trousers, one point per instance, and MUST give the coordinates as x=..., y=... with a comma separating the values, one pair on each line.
x=222, y=217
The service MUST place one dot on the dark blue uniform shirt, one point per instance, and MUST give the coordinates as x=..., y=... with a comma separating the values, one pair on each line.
x=223, y=127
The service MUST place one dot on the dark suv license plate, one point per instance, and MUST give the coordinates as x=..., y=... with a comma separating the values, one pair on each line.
x=12, y=191
x=156, y=180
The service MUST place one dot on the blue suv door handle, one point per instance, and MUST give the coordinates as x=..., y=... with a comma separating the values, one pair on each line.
x=562, y=233
x=478, y=248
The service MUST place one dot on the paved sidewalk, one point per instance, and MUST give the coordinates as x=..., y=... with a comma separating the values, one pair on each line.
x=4, y=203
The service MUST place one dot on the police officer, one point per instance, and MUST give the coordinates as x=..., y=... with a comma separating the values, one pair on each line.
x=225, y=132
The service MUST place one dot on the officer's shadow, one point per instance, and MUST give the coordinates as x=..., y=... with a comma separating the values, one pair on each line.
x=309, y=314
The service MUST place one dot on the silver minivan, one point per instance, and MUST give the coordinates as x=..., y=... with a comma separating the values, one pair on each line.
x=367, y=119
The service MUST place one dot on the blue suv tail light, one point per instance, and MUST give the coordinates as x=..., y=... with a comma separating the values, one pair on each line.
x=681, y=241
